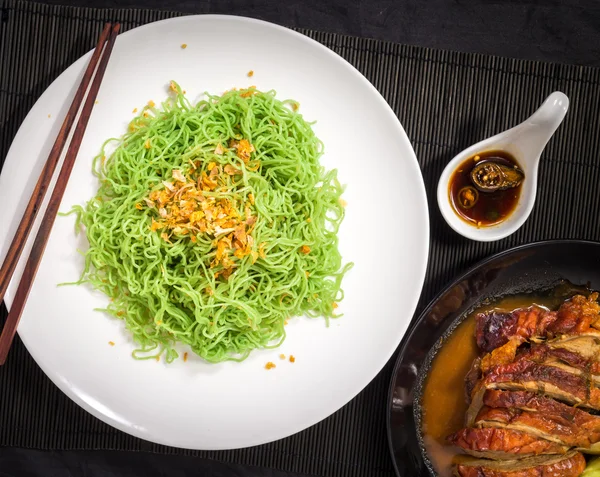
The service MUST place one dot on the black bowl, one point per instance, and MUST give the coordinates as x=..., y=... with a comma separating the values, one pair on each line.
x=530, y=268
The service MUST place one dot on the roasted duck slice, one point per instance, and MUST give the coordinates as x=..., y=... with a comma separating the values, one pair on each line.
x=580, y=351
x=528, y=401
x=560, y=424
x=559, y=381
x=579, y=315
x=576, y=316
x=496, y=328
x=500, y=444
x=568, y=465
x=585, y=345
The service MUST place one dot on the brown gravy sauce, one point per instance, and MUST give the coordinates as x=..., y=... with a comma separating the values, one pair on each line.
x=491, y=208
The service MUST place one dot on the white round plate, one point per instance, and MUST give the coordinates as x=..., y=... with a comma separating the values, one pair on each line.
x=385, y=233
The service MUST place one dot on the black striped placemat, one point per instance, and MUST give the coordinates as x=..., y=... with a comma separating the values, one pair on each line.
x=445, y=100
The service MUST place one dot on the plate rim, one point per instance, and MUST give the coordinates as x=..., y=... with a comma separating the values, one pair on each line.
x=446, y=288
x=410, y=158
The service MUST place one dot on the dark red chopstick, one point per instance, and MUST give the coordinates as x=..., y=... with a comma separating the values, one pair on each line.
x=101, y=54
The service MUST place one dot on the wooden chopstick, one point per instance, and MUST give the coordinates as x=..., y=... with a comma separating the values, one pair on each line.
x=37, y=197
x=101, y=52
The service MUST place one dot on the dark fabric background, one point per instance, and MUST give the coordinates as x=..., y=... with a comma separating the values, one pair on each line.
x=566, y=32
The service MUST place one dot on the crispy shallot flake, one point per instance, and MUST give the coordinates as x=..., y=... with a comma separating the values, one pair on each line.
x=168, y=185
x=203, y=203
x=292, y=359
x=243, y=149
x=270, y=365
x=249, y=92
x=177, y=175
x=232, y=171
x=305, y=249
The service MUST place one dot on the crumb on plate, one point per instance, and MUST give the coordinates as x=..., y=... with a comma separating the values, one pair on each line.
x=282, y=356
x=270, y=365
x=185, y=356
x=292, y=358
x=183, y=46
x=112, y=343
x=250, y=73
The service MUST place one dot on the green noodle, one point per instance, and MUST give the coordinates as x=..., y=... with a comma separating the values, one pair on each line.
x=158, y=287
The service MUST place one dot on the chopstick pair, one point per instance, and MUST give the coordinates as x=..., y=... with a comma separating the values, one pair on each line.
x=99, y=59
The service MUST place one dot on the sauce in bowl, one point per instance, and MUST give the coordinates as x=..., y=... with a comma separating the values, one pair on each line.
x=480, y=206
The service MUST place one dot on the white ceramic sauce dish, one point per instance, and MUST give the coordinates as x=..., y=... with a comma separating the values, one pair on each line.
x=525, y=142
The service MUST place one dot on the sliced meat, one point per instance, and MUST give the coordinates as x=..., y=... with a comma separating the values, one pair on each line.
x=576, y=316
x=504, y=354
x=560, y=382
x=472, y=378
x=528, y=401
x=493, y=443
x=585, y=344
x=496, y=328
x=476, y=403
x=569, y=465
x=569, y=426
x=562, y=358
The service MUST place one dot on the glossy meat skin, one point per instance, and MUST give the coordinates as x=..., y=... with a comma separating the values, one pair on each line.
x=572, y=428
x=530, y=401
x=495, y=329
x=547, y=353
x=571, y=465
x=575, y=316
x=563, y=383
x=495, y=443
x=529, y=390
